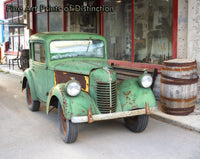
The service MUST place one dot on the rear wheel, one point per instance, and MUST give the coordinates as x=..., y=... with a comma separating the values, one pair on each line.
x=68, y=129
x=33, y=105
x=137, y=123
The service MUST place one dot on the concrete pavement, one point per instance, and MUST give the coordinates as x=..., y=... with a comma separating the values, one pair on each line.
x=191, y=121
x=15, y=71
x=35, y=135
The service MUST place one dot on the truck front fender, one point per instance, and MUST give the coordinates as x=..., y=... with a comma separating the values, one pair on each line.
x=132, y=96
x=27, y=77
x=71, y=106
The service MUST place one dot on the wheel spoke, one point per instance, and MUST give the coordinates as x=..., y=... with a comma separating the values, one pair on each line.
x=63, y=122
x=29, y=96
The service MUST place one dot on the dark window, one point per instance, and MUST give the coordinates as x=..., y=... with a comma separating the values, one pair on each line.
x=118, y=29
x=139, y=31
x=153, y=30
x=39, y=52
x=55, y=18
x=41, y=24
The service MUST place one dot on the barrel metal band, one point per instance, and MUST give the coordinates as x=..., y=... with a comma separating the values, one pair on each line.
x=180, y=82
x=179, y=100
x=179, y=64
x=179, y=69
x=179, y=111
x=180, y=79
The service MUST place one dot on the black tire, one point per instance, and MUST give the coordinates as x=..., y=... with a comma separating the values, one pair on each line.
x=68, y=129
x=137, y=123
x=32, y=104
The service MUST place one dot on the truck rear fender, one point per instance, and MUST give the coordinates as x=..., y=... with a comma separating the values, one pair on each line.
x=27, y=77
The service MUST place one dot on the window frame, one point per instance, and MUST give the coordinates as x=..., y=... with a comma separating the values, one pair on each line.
x=34, y=14
x=146, y=65
x=126, y=63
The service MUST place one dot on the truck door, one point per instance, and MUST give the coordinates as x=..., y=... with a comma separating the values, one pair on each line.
x=39, y=70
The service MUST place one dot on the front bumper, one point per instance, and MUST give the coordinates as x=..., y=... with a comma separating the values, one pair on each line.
x=91, y=118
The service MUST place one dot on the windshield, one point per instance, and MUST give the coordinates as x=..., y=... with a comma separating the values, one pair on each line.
x=77, y=48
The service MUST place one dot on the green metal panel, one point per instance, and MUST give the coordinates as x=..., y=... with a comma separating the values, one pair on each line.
x=72, y=106
x=39, y=76
x=79, y=65
x=59, y=92
x=100, y=75
x=28, y=75
x=132, y=96
x=129, y=94
x=47, y=37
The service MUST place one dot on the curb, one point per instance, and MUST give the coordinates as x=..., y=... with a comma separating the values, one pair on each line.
x=190, y=122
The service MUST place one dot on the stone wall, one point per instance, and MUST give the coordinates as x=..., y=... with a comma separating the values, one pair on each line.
x=182, y=28
x=194, y=31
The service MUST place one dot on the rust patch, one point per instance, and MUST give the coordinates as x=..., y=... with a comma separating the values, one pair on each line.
x=90, y=118
x=147, y=109
x=52, y=91
x=126, y=94
x=134, y=107
x=63, y=77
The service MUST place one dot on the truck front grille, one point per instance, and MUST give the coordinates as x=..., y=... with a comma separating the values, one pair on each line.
x=106, y=96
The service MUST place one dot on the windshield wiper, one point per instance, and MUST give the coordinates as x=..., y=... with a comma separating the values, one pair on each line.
x=88, y=45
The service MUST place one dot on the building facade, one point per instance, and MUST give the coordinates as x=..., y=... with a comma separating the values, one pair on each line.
x=140, y=33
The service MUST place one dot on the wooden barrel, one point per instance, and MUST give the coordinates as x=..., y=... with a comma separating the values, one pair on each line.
x=178, y=86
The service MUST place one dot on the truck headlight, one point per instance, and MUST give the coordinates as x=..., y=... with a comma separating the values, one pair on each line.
x=73, y=88
x=145, y=80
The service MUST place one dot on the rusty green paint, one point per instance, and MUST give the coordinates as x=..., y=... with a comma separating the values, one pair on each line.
x=82, y=103
x=48, y=37
x=132, y=96
x=81, y=66
x=72, y=106
x=59, y=92
x=99, y=75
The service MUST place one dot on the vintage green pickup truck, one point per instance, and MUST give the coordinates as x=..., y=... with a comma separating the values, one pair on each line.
x=69, y=71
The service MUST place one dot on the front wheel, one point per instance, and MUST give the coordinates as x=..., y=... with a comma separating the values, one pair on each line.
x=32, y=104
x=137, y=123
x=68, y=129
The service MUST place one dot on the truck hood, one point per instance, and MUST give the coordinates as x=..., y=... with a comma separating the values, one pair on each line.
x=81, y=66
